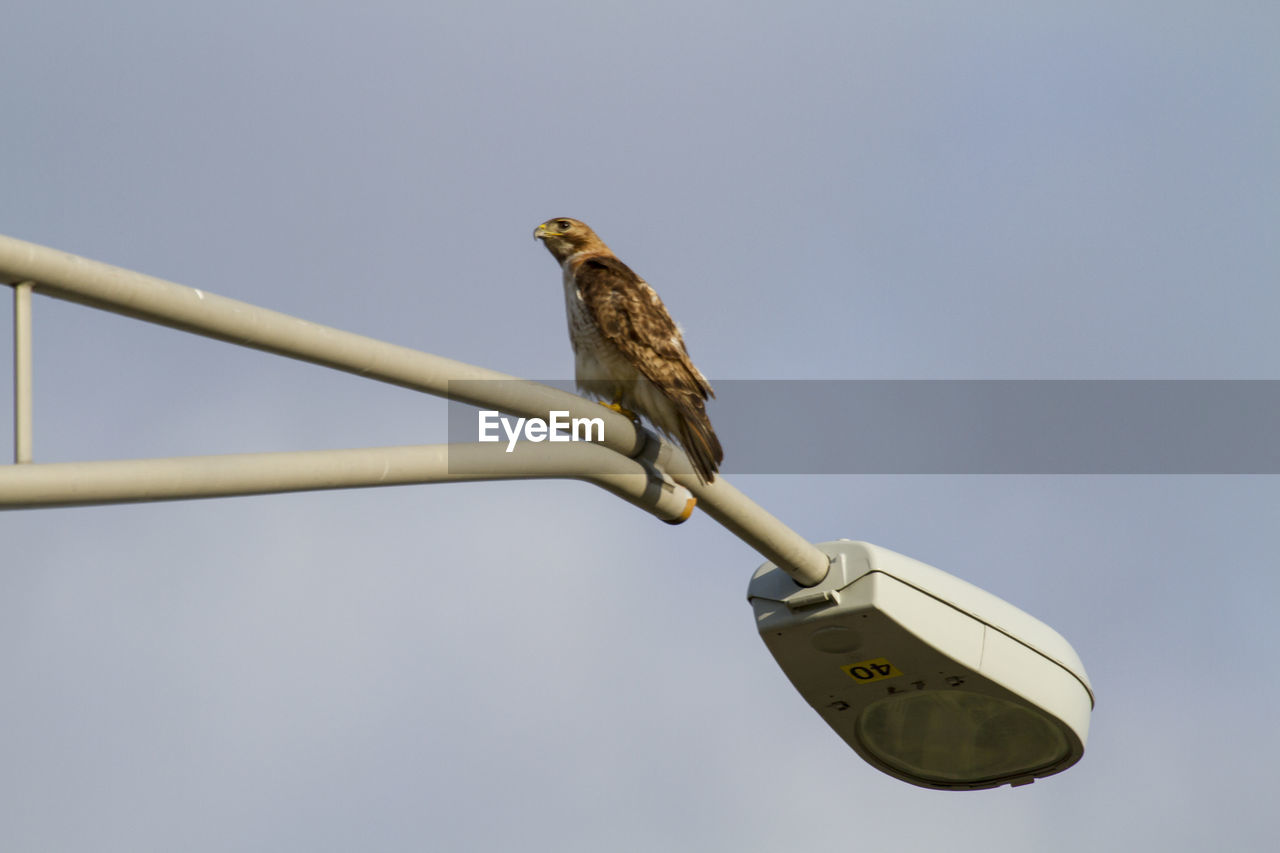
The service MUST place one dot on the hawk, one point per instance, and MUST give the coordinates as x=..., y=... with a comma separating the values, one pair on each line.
x=626, y=347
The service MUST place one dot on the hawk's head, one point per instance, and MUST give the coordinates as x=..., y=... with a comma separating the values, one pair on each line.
x=564, y=237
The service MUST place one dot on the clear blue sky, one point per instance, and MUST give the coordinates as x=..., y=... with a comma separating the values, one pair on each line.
x=819, y=191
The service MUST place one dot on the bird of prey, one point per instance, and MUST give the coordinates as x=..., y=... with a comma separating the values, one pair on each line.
x=626, y=347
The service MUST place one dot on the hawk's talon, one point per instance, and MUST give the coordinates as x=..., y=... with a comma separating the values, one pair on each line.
x=617, y=407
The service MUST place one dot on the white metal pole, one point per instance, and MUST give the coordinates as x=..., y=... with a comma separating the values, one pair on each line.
x=22, y=372
x=155, y=300
x=144, y=297
x=57, y=484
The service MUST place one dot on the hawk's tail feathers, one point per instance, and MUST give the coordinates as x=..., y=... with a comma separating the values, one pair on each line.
x=699, y=440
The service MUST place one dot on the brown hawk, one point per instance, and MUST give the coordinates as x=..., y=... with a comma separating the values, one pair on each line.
x=626, y=347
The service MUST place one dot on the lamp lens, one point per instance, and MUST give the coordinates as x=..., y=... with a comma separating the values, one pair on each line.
x=956, y=736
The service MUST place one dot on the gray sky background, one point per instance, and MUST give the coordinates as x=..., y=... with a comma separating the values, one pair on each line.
x=819, y=191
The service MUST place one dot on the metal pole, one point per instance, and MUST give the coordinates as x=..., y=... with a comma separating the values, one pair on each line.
x=144, y=297
x=22, y=372
x=138, y=480
x=133, y=294
x=743, y=517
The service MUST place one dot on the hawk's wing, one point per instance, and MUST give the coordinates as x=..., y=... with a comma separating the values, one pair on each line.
x=632, y=318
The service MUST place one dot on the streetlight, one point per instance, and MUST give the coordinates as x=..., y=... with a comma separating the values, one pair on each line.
x=928, y=678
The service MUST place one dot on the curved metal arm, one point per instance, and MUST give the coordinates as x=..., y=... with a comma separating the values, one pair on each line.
x=133, y=294
x=144, y=297
x=126, y=481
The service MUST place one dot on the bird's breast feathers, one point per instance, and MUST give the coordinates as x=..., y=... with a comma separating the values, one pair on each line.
x=598, y=364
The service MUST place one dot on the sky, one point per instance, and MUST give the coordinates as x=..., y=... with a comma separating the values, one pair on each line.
x=819, y=191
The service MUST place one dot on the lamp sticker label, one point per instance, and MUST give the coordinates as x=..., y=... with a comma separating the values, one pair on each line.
x=876, y=669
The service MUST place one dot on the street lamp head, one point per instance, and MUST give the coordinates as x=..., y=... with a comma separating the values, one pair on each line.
x=928, y=678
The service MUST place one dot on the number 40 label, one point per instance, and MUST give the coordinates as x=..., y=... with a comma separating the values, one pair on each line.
x=876, y=669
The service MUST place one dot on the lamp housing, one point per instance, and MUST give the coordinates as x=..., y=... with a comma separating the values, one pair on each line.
x=928, y=678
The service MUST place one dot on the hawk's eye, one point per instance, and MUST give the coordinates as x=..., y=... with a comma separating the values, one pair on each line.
x=563, y=225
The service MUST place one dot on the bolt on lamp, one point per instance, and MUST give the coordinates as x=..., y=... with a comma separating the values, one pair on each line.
x=928, y=678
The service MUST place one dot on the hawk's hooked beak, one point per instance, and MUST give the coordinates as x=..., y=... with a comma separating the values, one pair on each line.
x=540, y=232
